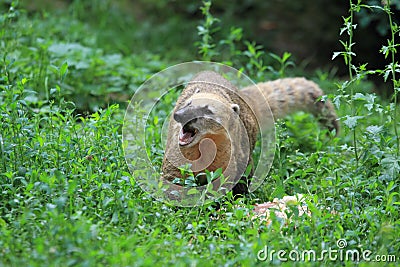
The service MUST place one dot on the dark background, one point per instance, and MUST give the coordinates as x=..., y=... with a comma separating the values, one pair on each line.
x=309, y=30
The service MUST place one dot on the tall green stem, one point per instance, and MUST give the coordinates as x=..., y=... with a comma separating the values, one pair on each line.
x=349, y=55
x=393, y=71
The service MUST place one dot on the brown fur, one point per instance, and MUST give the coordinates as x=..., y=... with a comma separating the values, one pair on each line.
x=289, y=95
x=284, y=96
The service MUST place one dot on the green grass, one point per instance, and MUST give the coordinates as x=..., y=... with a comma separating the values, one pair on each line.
x=68, y=199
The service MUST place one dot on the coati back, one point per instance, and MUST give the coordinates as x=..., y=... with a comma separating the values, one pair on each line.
x=289, y=95
x=214, y=125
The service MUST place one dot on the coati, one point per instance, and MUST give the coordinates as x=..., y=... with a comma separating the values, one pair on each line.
x=214, y=125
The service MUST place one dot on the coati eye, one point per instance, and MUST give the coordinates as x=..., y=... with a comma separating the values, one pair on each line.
x=197, y=91
x=236, y=108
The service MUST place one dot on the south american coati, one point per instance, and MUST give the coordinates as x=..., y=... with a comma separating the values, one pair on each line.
x=214, y=125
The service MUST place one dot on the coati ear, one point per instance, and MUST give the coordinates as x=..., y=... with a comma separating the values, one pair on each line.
x=235, y=108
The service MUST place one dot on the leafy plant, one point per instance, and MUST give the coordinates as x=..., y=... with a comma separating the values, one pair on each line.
x=190, y=180
x=251, y=56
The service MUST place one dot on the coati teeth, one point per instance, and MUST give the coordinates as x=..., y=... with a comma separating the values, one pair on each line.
x=187, y=134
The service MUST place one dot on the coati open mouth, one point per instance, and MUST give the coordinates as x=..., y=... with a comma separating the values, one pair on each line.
x=187, y=133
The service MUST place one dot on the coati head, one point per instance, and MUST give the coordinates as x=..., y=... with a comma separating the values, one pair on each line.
x=204, y=115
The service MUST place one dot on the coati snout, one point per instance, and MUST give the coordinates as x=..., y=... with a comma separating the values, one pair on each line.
x=199, y=117
x=187, y=117
x=190, y=112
